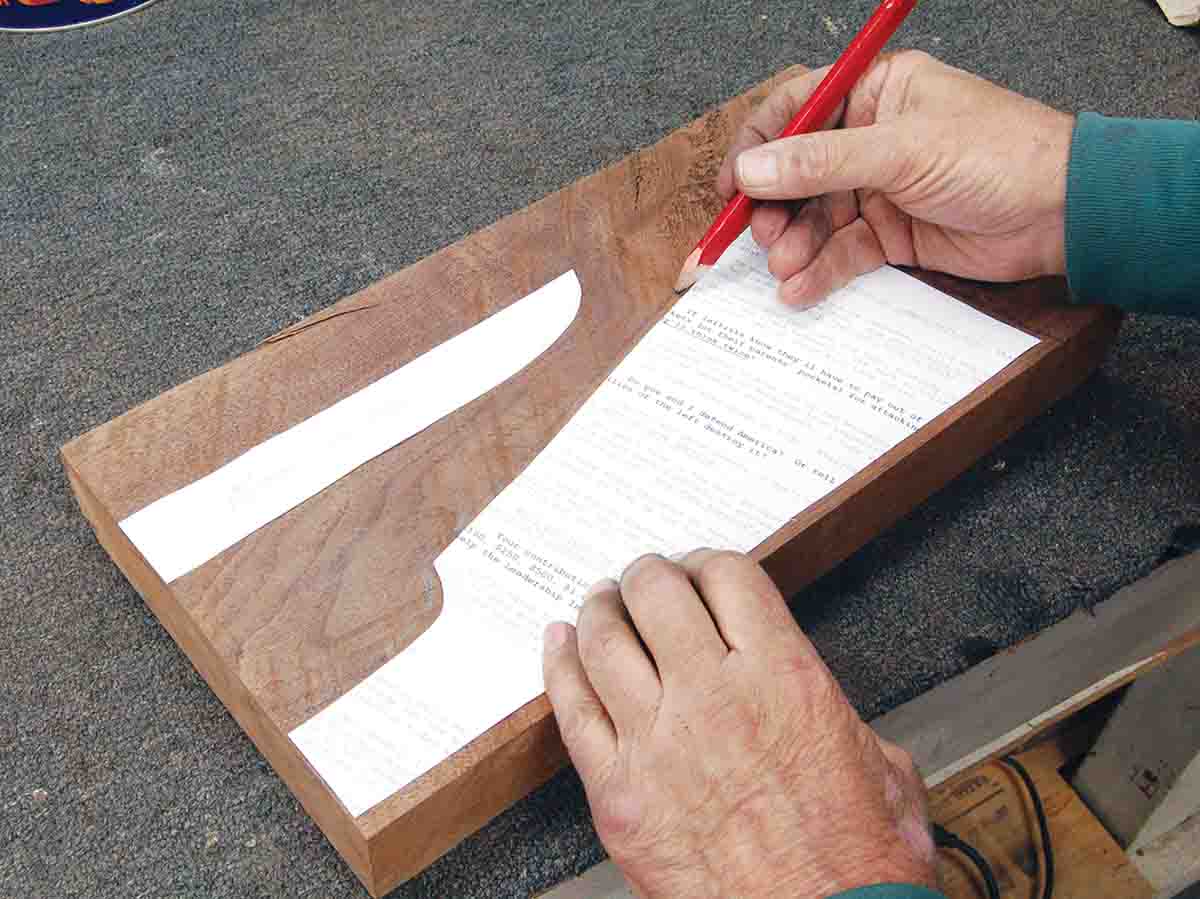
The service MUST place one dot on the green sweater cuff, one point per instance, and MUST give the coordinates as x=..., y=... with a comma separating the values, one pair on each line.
x=1133, y=214
x=890, y=891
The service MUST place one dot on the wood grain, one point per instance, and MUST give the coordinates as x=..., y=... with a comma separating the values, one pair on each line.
x=989, y=808
x=1009, y=698
x=296, y=614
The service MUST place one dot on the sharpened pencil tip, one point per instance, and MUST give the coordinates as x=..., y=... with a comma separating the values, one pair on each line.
x=690, y=271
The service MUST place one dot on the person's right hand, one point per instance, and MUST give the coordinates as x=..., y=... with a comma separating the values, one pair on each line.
x=931, y=167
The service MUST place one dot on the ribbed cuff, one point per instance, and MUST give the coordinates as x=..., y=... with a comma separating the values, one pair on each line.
x=890, y=891
x=1133, y=214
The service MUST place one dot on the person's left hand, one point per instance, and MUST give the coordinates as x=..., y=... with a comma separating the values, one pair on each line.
x=719, y=755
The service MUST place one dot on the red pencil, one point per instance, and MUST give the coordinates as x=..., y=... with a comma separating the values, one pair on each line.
x=833, y=89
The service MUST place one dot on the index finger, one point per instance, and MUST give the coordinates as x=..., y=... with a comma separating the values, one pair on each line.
x=768, y=120
x=583, y=722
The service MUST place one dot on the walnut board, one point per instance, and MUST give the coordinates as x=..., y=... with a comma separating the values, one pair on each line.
x=293, y=616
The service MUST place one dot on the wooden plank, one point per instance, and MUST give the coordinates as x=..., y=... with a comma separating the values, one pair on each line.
x=1009, y=699
x=296, y=614
x=1005, y=700
x=1171, y=861
x=1142, y=778
x=602, y=881
x=1181, y=13
x=988, y=807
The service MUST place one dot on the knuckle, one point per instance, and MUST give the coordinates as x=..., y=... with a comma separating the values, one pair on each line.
x=807, y=158
x=794, y=72
x=751, y=135
x=796, y=664
x=743, y=720
x=907, y=68
x=914, y=58
x=796, y=90
x=729, y=570
x=814, y=687
x=578, y=719
x=818, y=214
x=833, y=163
x=619, y=815
x=746, y=720
x=603, y=641
x=822, y=274
x=725, y=565
x=648, y=574
x=863, y=248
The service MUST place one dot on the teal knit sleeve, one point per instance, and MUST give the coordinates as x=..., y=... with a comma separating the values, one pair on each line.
x=1133, y=214
x=890, y=891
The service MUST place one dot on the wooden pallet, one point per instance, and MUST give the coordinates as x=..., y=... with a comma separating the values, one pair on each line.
x=989, y=808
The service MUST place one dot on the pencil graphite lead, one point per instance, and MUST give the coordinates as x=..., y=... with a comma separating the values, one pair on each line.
x=690, y=272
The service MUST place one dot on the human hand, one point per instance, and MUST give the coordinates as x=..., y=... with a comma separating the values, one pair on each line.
x=719, y=755
x=932, y=167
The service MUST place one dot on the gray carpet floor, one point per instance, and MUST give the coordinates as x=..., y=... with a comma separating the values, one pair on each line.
x=180, y=183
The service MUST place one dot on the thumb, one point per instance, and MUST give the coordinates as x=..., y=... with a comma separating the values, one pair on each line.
x=879, y=157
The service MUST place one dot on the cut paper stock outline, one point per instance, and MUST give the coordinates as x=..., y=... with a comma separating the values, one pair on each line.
x=279, y=474
x=729, y=417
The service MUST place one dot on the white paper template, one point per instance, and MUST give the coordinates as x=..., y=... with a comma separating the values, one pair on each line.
x=732, y=415
x=185, y=529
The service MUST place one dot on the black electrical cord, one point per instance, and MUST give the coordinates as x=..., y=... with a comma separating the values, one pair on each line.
x=947, y=840
x=1040, y=812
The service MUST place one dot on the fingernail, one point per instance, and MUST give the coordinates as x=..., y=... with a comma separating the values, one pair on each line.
x=758, y=168
x=555, y=635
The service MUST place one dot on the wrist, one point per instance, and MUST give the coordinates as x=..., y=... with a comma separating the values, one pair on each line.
x=891, y=891
x=1054, y=244
x=848, y=865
